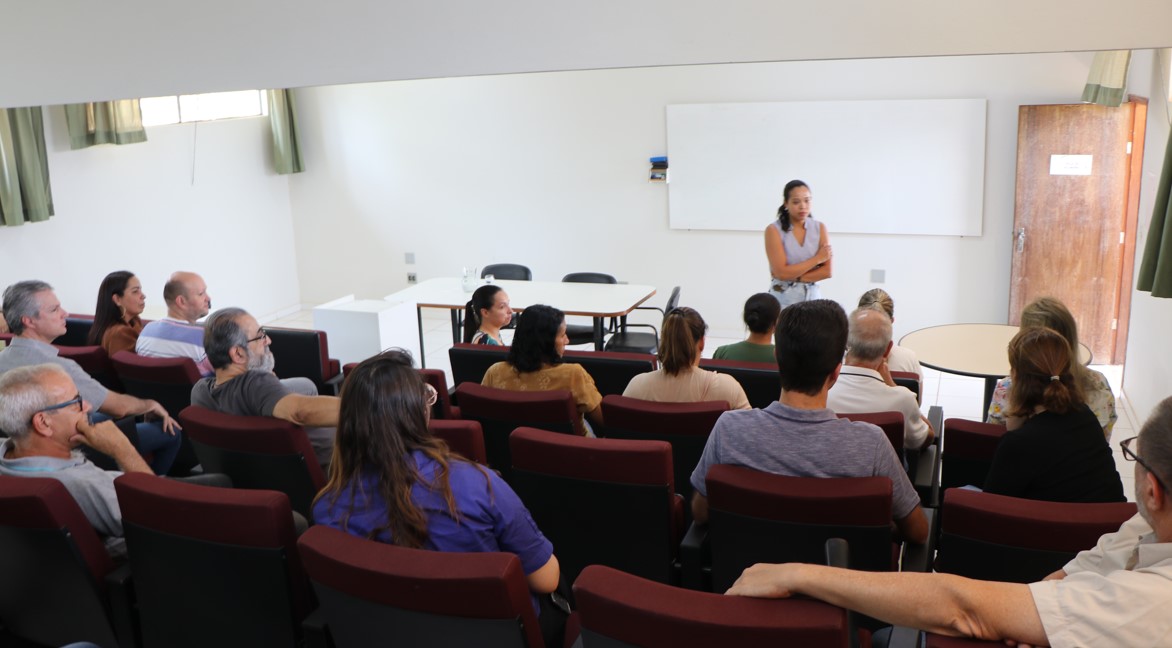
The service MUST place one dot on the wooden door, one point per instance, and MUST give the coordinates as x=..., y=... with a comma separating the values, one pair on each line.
x=1074, y=167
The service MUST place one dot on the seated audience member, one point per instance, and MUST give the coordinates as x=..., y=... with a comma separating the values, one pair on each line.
x=245, y=385
x=178, y=335
x=865, y=385
x=392, y=481
x=35, y=315
x=1054, y=449
x=1051, y=313
x=116, y=317
x=485, y=314
x=798, y=435
x=46, y=419
x=900, y=359
x=761, y=312
x=1115, y=594
x=535, y=363
x=679, y=378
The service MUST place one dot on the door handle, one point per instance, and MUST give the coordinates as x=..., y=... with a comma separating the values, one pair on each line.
x=1020, y=239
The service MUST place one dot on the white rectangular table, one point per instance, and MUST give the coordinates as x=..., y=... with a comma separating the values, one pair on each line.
x=589, y=299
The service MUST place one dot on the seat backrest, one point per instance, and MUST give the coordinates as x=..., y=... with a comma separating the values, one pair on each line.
x=303, y=353
x=996, y=537
x=966, y=452
x=53, y=565
x=256, y=452
x=619, y=609
x=419, y=598
x=600, y=501
x=471, y=361
x=760, y=380
x=589, y=277
x=77, y=331
x=891, y=423
x=910, y=380
x=611, y=370
x=500, y=411
x=227, y=554
x=509, y=271
x=95, y=362
x=463, y=437
x=166, y=380
x=761, y=517
x=685, y=426
x=673, y=300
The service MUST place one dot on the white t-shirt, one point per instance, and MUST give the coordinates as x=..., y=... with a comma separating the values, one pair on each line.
x=861, y=391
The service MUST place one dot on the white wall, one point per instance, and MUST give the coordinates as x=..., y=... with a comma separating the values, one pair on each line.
x=1147, y=376
x=550, y=170
x=75, y=50
x=202, y=199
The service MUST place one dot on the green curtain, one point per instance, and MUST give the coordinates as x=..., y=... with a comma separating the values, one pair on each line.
x=1155, y=271
x=1107, y=79
x=25, y=194
x=283, y=118
x=104, y=122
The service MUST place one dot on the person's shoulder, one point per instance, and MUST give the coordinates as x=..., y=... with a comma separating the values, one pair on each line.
x=721, y=351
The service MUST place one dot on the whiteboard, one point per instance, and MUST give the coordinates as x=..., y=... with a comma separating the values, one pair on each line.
x=874, y=167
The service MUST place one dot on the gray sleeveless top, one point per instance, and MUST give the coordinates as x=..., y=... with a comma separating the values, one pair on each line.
x=795, y=253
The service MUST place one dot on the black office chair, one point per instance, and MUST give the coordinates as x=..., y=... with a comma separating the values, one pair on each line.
x=508, y=271
x=579, y=333
x=638, y=342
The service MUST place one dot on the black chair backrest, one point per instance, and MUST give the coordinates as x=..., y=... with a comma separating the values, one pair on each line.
x=599, y=501
x=590, y=277
x=910, y=380
x=760, y=517
x=471, y=361
x=611, y=371
x=509, y=271
x=302, y=353
x=760, y=380
x=77, y=331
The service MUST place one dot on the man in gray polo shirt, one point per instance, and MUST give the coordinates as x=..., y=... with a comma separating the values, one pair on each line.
x=46, y=419
x=36, y=317
x=797, y=435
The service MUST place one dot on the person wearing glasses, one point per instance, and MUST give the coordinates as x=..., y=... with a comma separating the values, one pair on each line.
x=1054, y=448
x=1116, y=593
x=798, y=248
x=47, y=419
x=36, y=318
x=393, y=482
x=244, y=383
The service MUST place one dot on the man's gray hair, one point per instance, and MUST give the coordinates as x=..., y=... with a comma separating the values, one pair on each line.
x=20, y=300
x=1155, y=441
x=221, y=333
x=22, y=395
x=869, y=334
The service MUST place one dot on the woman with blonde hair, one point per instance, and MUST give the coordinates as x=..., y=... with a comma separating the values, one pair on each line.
x=679, y=378
x=1051, y=313
x=1054, y=448
x=899, y=359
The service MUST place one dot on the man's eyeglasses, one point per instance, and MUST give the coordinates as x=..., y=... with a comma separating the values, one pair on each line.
x=76, y=400
x=260, y=335
x=1130, y=455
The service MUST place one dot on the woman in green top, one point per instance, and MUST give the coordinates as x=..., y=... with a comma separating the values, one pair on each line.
x=761, y=313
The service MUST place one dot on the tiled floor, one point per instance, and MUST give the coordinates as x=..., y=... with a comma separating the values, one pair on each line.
x=960, y=396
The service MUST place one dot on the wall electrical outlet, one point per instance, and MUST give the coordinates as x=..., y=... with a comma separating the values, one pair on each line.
x=411, y=278
x=409, y=258
x=878, y=276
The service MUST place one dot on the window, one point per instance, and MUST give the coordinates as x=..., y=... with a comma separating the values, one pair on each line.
x=158, y=111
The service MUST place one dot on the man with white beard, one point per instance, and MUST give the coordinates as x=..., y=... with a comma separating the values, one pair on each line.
x=244, y=383
x=1116, y=594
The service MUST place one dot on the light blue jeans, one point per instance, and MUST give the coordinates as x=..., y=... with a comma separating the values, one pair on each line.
x=792, y=292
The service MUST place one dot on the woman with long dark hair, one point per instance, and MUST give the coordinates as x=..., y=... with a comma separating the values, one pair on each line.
x=679, y=378
x=486, y=314
x=761, y=314
x=798, y=248
x=535, y=363
x=116, y=316
x=1054, y=448
x=391, y=481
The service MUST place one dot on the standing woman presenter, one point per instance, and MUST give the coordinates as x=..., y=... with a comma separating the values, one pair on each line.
x=798, y=248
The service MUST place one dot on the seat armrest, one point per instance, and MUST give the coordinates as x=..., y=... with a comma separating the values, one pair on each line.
x=334, y=385
x=936, y=420
x=696, y=559
x=123, y=608
x=838, y=554
x=316, y=630
x=927, y=477
x=918, y=557
x=904, y=637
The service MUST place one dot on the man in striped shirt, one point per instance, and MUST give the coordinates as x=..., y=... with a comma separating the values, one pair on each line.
x=178, y=335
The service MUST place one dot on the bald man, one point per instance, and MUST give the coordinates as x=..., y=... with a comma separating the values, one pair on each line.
x=178, y=335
